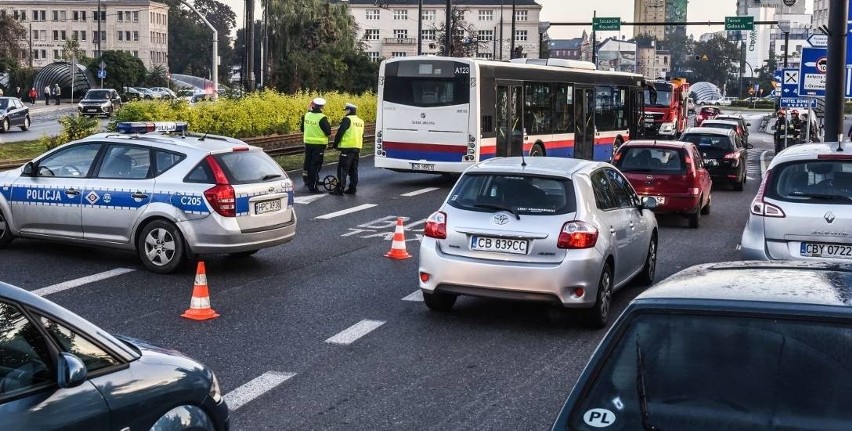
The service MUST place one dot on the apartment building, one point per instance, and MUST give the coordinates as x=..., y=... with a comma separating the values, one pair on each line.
x=649, y=11
x=139, y=27
x=820, y=16
x=388, y=28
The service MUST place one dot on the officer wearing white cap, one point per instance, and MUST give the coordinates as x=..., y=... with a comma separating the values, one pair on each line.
x=349, y=140
x=316, y=131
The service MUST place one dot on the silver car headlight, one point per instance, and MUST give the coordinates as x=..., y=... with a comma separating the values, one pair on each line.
x=215, y=391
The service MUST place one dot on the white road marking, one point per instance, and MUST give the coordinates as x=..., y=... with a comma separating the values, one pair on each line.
x=420, y=192
x=255, y=388
x=416, y=296
x=354, y=332
x=346, y=211
x=739, y=247
x=763, y=162
x=70, y=284
x=308, y=199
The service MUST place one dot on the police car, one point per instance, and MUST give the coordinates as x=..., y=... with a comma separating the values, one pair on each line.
x=155, y=189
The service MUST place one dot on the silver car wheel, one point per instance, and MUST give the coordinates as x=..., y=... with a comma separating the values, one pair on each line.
x=160, y=247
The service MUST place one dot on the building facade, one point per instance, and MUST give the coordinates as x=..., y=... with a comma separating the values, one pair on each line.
x=388, y=28
x=138, y=27
x=653, y=63
x=570, y=49
x=798, y=8
x=650, y=11
x=820, y=16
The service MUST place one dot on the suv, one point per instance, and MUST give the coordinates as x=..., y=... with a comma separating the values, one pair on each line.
x=735, y=346
x=723, y=153
x=99, y=102
x=738, y=118
x=803, y=208
x=166, y=197
x=671, y=172
x=727, y=124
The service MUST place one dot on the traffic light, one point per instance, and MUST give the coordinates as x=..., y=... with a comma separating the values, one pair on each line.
x=701, y=57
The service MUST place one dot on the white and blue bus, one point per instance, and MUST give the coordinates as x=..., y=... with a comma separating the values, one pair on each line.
x=442, y=114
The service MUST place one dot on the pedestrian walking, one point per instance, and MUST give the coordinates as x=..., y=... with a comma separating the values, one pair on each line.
x=33, y=95
x=46, y=94
x=348, y=140
x=316, y=131
x=57, y=92
x=18, y=92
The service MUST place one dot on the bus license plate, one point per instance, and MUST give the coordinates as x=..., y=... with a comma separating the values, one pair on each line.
x=500, y=245
x=423, y=166
x=264, y=207
x=813, y=249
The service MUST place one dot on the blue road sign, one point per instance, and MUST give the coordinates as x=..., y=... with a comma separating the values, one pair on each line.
x=798, y=102
x=812, y=72
x=101, y=73
x=789, y=82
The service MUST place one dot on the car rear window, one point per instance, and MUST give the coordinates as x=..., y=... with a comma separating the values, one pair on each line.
x=823, y=181
x=247, y=167
x=703, y=141
x=523, y=194
x=648, y=159
x=720, y=125
x=731, y=372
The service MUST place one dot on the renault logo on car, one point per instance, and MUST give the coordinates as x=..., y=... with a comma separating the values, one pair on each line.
x=501, y=219
x=829, y=217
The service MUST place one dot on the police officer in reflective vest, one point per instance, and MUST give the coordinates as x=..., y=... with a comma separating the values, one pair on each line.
x=316, y=131
x=349, y=140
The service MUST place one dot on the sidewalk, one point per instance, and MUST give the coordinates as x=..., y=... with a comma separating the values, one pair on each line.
x=40, y=107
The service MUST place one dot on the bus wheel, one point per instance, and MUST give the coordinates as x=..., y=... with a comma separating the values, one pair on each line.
x=537, y=151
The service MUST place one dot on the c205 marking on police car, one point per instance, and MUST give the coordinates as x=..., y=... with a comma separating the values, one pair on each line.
x=599, y=418
x=191, y=200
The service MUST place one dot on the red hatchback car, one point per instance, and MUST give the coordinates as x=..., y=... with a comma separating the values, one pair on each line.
x=706, y=113
x=672, y=172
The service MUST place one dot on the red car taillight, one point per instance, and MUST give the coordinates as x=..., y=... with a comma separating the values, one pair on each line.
x=577, y=234
x=732, y=156
x=759, y=207
x=221, y=197
x=436, y=225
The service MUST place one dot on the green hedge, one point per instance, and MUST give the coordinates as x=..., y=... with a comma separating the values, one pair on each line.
x=258, y=114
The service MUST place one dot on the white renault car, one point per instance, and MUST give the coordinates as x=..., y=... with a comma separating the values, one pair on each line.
x=167, y=195
x=564, y=231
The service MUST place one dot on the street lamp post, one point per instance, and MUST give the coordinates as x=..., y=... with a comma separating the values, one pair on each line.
x=542, y=29
x=214, y=73
x=784, y=26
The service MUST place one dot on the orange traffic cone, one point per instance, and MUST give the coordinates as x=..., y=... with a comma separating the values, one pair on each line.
x=397, y=250
x=199, y=307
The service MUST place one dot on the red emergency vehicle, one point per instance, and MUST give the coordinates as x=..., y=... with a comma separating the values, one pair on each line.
x=666, y=108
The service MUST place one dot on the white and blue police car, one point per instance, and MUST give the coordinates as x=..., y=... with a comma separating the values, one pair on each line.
x=153, y=188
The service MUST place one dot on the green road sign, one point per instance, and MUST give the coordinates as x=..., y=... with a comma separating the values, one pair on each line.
x=604, y=24
x=739, y=23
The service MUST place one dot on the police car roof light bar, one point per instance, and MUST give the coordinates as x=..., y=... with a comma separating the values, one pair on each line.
x=151, y=126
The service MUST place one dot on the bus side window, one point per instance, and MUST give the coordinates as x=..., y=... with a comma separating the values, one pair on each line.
x=487, y=124
x=604, y=109
x=619, y=99
x=563, y=109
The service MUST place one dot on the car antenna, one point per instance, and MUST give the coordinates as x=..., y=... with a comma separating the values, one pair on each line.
x=840, y=146
x=203, y=137
x=523, y=160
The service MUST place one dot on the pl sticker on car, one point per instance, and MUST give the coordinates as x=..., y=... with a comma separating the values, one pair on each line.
x=599, y=418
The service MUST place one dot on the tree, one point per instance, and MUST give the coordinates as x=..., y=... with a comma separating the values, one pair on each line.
x=123, y=69
x=157, y=77
x=463, y=41
x=715, y=61
x=190, y=37
x=11, y=32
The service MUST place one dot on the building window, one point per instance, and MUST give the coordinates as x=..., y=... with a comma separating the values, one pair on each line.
x=521, y=15
x=35, y=34
x=485, y=35
x=55, y=35
x=136, y=54
x=121, y=36
x=83, y=15
x=400, y=14
x=75, y=35
x=83, y=35
x=120, y=16
x=427, y=34
x=397, y=54
x=372, y=14
x=43, y=34
x=520, y=35
x=56, y=54
x=55, y=15
x=75, y=15
x=400, y=34
x=136, y=36
x=485, y=55
x=135, y=16
x=374, y=56
x=428, y=15
x=371, y=34
x=486, y=15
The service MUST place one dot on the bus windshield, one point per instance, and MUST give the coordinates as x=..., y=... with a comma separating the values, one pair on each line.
x=664, y=99
x=427, y=83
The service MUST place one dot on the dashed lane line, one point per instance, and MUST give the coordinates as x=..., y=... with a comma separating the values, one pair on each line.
x=70, y=284
x=303, y=200
x=416, y=296
x=354, y=332
x=420, y=192
x=255, y=388
x=346, y=211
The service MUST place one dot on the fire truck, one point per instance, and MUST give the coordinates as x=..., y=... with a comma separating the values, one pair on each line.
x=665, y=108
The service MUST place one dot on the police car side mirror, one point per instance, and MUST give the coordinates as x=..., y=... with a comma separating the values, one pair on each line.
x=28, y=170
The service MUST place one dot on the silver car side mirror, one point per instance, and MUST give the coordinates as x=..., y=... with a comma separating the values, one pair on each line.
x=649, y=202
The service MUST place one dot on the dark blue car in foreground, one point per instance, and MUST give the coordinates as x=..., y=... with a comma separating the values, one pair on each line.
x=730, y=346
x=60, y=372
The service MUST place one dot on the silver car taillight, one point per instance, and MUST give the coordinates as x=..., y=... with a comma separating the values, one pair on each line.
x=761, y=208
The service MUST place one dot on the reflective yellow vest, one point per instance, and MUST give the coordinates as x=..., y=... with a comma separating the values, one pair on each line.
x=313, y=131
x=353, y=137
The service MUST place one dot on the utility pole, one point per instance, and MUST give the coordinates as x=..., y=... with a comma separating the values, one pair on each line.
x=250, y=44
x=419, y=28
x=501, y=30
x=595, y=43
x=512, y=33
x=449, y=28
x=836, y=70
x=30, y=53
x=100, y=53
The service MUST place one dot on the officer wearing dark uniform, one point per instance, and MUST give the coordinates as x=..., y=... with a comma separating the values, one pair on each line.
x=780, y=131
x=316, y=131
x=349, y=140
x=796, y=124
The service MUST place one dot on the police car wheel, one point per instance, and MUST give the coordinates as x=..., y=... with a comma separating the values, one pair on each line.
x=5, y=236
x=160, y=246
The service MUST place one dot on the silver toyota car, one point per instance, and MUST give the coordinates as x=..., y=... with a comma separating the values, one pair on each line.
x=167, y=195
x=803, y=208
x=564, y=231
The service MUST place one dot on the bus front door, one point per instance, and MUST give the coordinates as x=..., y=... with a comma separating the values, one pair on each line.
x=584, y=123
x=510, y=127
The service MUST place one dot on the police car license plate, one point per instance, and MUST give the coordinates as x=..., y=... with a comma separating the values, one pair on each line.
x=814, y=249
x=500, y=245
x=264, y=207
x=423, y=166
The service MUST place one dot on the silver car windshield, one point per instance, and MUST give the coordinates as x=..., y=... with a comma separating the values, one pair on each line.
x=825, y=181
x=521, y=194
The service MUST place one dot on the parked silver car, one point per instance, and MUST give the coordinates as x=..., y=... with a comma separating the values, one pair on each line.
x=565, y=231
x=803, y=208
x=167, y=197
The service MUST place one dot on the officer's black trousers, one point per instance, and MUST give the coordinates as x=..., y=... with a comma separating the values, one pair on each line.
x=314, y=154
x=348, y=166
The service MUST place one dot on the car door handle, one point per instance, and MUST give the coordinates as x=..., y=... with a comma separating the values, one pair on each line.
x=612, y=230
x=631, y=225
x=72, y=192
x=138, y=195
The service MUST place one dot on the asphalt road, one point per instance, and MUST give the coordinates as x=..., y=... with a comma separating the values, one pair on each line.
x=281, y=348
x=43, y=122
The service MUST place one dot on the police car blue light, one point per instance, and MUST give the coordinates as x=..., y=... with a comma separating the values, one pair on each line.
x=152, y=126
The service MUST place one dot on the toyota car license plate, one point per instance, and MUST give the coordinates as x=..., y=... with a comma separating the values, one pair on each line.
x=264, y=207
x=500, y=245
x=814, y=249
